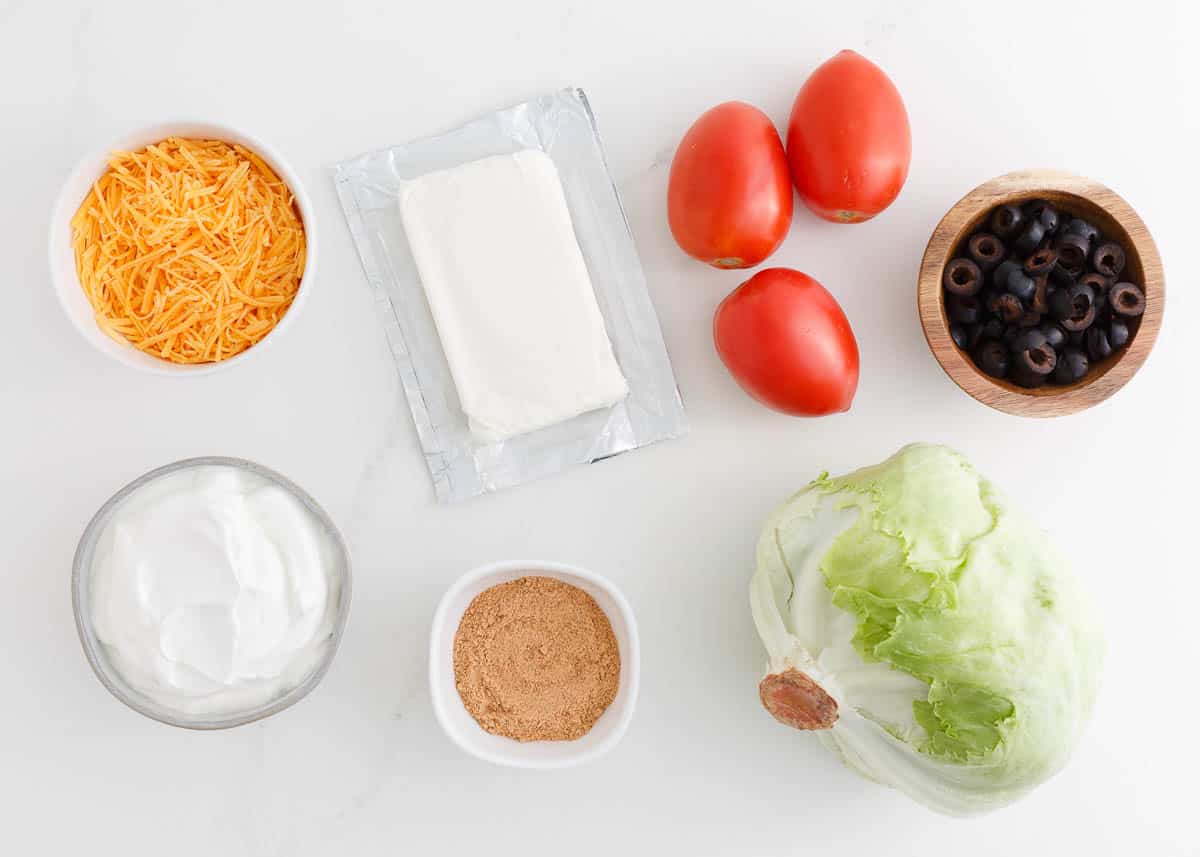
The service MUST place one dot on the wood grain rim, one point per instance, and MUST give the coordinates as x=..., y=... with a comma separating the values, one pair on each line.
x=1079, y=195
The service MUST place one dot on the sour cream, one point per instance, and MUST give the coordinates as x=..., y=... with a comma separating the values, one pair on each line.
x=213, y=590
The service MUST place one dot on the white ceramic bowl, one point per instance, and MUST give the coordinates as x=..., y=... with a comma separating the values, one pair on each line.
x=62, y=256
x=461, y=726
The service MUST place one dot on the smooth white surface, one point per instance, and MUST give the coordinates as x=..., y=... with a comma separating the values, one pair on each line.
x=458, y=723
x=211, y=591
x=75, y=189
x=360, y=766
x=510, y=293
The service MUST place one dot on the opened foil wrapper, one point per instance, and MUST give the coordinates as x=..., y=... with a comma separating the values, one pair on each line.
x=462, y=465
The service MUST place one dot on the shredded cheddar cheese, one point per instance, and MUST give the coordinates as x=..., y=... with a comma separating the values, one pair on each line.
x=190, y=250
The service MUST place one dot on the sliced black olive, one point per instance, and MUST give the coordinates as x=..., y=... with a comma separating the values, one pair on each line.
x=1075, y=337
x=992, y=357
x=1118, y=333
x=1029, y=318
x=1030, y=337
x=961, y=335
x=1043, y=212
x=1049, y=217
x=1081, y=227
x=1039, y=360
x=1021, y=284
x=1059, y=301
x=1080, y=307
x=1022, y=377
x=1098, y=346
x=993, y=328
x=1072, y=365
x=1009, y=308
x=1072, y=252
x=1040, y=261
x=1041, y=293
x=964, y=309
x=1079, y=319
x=1032, y=368
x=1000, y=274
x=1098, y=283
x=1060, y=276
x=986, y=251
x=1006, y=220
x=1127, y=299
x=1030, y=238
x=962, y=277
x=1053, y=334
x=1109, y=259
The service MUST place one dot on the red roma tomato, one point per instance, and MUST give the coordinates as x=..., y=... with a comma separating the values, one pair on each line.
x=729, y=201
x=848, y=141
x=788, y=343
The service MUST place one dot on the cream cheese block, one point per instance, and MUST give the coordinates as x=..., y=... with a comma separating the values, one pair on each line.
x=510, y=294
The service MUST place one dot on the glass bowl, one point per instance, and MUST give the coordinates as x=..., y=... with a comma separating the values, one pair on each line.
x=95, y=650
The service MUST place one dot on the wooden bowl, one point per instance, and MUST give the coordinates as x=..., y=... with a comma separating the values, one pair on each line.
x=1078, y=196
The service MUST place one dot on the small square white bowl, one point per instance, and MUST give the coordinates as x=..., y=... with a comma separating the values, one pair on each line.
x=461, y=726
x=62, y=254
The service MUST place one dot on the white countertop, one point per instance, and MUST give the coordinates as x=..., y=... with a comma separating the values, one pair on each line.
x=360, y=767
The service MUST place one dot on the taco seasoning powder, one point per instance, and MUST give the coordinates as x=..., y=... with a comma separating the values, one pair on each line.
x=535, y=659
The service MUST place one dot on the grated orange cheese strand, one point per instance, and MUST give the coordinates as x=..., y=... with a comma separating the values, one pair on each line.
x=190, y=250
